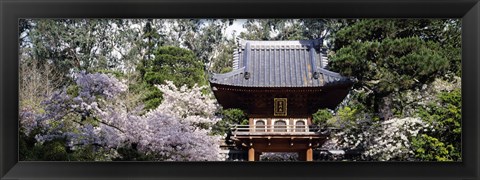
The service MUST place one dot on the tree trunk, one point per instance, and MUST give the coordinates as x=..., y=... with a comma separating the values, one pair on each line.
x=382, y=106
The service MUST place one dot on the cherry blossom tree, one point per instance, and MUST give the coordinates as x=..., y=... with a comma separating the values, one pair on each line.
x=93, y=113
x=178, y=130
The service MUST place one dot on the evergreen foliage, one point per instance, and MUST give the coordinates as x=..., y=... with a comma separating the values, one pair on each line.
x=230, y=117
x=444, y=142
x=389, y=56
x=321, y=117
x=171, y=64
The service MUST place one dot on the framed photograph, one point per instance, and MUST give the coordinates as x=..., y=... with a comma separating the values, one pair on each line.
x=136, y=90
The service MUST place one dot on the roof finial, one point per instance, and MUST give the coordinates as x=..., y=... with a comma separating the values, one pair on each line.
x=313, y=61
x=245, y=60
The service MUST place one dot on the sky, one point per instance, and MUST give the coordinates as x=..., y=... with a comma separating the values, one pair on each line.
x=236, y=27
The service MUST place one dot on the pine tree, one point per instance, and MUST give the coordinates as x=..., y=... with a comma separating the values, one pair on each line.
x=391, y=55
x=173, y=64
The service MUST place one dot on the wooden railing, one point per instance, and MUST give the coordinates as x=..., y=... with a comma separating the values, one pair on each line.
x=291, y=129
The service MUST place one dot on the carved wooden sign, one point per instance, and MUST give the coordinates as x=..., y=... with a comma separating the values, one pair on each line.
x=280, y=106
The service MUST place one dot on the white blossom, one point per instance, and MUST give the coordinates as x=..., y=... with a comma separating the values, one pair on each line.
x=178, y=130
x=392, y=140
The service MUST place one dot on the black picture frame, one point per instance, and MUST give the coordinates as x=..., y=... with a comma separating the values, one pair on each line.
x=12, y=10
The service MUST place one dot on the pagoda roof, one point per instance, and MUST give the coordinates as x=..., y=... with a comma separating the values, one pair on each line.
x=300, y=63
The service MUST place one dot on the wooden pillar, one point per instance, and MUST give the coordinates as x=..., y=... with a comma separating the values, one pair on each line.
x=251, y=154
x=257, y=156
x=309, y=154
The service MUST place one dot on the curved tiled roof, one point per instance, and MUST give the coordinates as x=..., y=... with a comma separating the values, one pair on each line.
x=279, y=64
